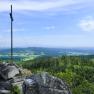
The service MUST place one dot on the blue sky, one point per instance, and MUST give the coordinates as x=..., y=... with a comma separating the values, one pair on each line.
x=48, y=23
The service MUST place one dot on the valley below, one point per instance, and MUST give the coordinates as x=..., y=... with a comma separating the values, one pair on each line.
x=74, y=66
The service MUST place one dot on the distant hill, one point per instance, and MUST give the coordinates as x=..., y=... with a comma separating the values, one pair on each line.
x=51, y=51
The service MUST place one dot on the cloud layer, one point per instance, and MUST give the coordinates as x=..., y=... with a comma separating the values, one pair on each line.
x=87, y=24
x=38, y=28
x=44, y=5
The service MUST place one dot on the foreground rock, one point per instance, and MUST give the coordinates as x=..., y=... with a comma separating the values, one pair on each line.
x=8, y=71
x=12, y=76
x=44, y=84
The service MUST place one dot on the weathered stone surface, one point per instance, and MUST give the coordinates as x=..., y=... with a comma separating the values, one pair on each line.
x=8, y=71
x=8, y=77
x=45, y=84
x=5, y=87
x=5, y=92
x=41, y=83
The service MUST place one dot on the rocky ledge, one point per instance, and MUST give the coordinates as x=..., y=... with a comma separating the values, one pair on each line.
x=41, y=83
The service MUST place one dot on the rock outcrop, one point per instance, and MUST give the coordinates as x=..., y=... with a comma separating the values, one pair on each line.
x=44, y=83
x=8, y=71
x=9, y=76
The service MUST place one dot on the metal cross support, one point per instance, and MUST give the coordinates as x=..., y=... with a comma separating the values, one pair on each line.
x=11, y=17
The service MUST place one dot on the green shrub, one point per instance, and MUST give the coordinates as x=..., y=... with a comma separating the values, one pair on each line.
x=15, y=90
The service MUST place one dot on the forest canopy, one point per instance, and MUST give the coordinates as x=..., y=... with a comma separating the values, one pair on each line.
x=77, y=71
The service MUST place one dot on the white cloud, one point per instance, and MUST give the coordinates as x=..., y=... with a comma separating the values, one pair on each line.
x=4, y=41
x=49, y=28
x=55, y=41
x=87, y=24
x=16, y=30
x=49, y=41
x=43, y=5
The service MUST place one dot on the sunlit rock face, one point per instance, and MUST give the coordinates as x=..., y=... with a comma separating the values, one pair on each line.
x=8, y=71
x=44, y=83
x=8, y=77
